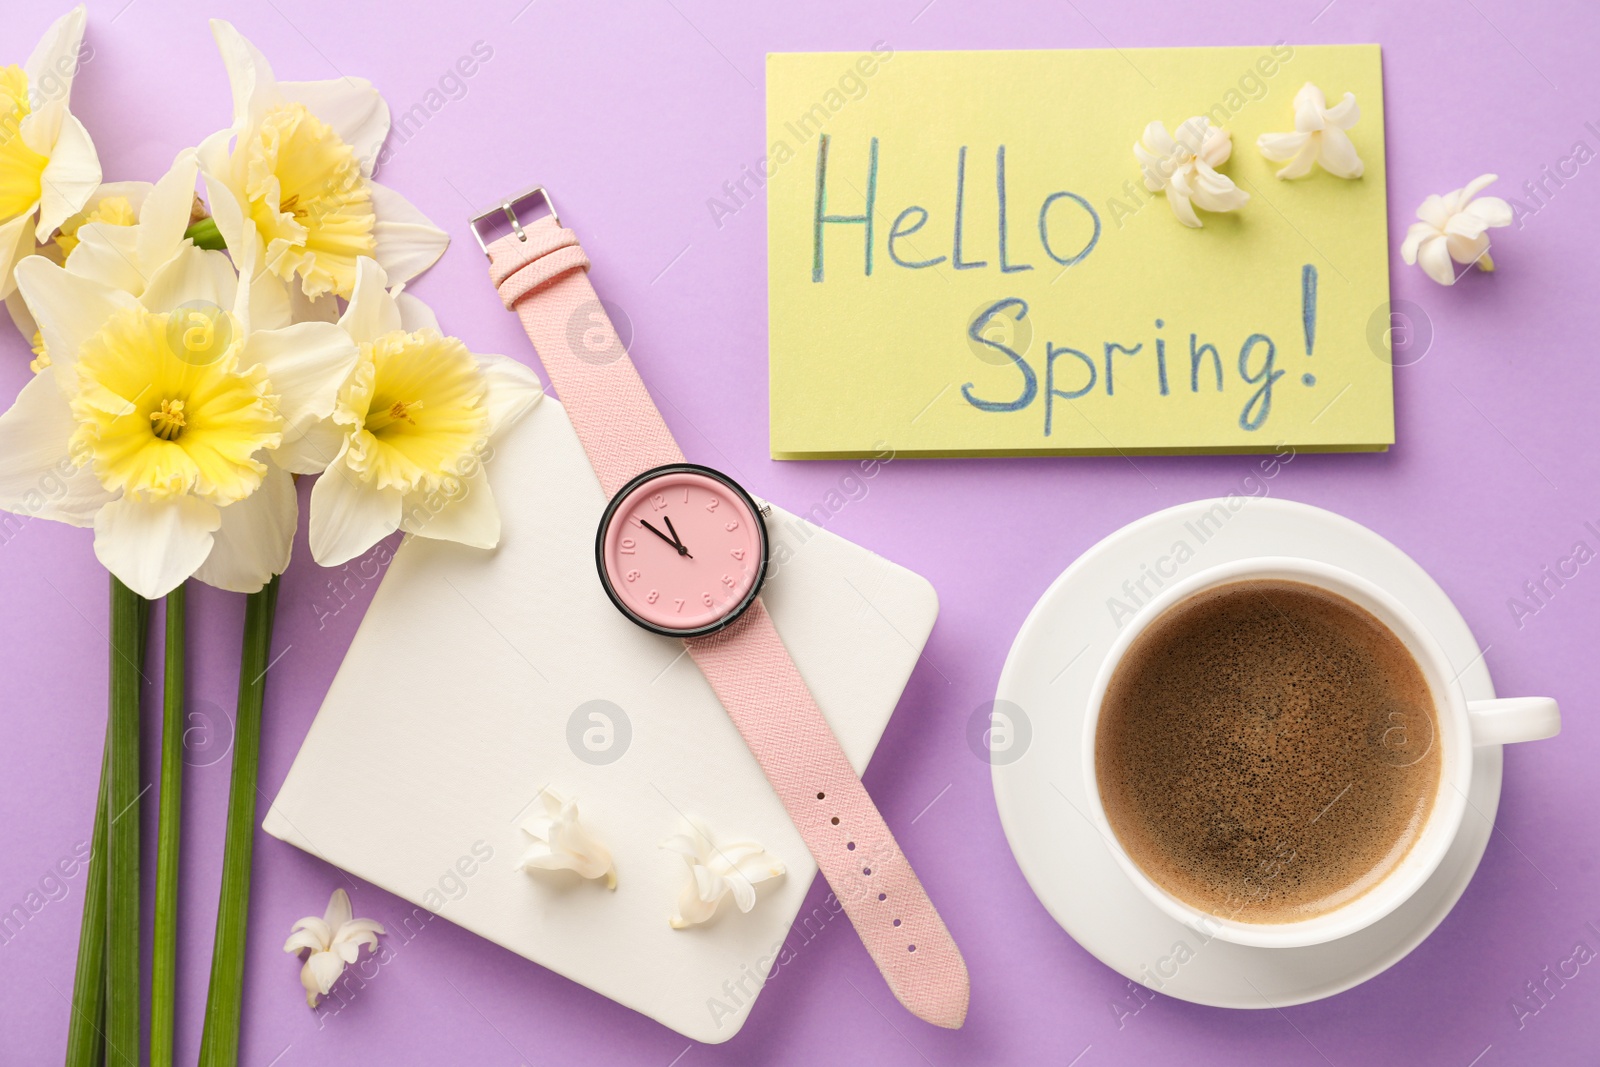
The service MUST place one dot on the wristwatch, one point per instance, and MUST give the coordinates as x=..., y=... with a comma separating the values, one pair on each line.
x=681, y=550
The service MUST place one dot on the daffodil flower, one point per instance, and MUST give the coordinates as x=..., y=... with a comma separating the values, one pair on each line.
x=157, y=419
x=1319, y=137
x=717, y=871
x=48, y=165
x=331, y=943
x=561, y=843
x=297, y=163
x=1183, y=165
x=405, y=445
x=1455, y=227
x=111, y=204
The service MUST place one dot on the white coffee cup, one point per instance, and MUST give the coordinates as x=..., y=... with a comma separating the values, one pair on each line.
x=1462, y=724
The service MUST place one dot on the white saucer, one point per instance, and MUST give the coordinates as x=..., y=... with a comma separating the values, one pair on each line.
x=1040, y=793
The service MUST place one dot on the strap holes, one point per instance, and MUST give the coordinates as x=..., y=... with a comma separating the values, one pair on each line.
x=897, y=922
x=911, y=948
x=851, y=845
x=866, y=870
x=883, y=896
x=822, y=796
x=836, y=820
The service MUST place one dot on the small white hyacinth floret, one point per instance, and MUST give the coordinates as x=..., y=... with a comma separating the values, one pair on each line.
x=717, y=871
x=1182, y=166
x=331, y=942
x=1318, y=137
x=1456, y=227
x=562, y=843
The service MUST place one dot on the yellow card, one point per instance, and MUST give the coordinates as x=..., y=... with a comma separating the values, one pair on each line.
x=964, y=259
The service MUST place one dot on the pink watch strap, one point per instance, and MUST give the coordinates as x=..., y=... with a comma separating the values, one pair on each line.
x=541, y=274
x=618, y=424
x=757, y=681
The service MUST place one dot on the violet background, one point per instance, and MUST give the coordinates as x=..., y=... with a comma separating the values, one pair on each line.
x=635, y=116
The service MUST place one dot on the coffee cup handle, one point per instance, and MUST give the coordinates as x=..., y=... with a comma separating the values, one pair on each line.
x=1502, y=722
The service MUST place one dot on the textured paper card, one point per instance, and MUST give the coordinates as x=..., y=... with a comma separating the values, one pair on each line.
x=963, y=258
x=471, y=686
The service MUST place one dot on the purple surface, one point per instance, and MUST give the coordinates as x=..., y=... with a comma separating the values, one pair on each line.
x=635, y=120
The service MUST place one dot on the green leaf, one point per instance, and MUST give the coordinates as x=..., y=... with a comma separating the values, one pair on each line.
x=219, y=1039
x=164, y=954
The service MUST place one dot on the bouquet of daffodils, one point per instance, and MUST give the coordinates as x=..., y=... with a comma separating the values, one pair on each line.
x=192, y=356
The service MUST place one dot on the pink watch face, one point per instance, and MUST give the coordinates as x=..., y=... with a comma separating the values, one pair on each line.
x=682, y=550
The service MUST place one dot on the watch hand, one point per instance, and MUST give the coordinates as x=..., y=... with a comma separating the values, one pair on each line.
x=664, y=537
x=682, y=551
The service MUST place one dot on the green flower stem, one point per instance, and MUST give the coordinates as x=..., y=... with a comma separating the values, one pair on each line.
x=129, y=616
x=85, y=1028
x=205, y=234
x=219, y=1039
x=164, y=956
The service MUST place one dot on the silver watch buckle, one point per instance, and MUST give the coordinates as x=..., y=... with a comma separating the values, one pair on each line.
x=507, y=207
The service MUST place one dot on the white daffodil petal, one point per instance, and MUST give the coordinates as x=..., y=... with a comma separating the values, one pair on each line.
x=513, y=390
x=466, y=515
x=352, y=107
x=255, y=538
x=16, y=243
x=414, y=314
x=68, y=308
x=165, y=214
x=195, y=277
x=349, y=516
x=51, y=67
x=313, y=450
x=306, y=363
x=21, y=317
x=37, y=474
x=372, y=311
x=249, y=74
x=407, y=241
x=263, y=300
x=223, y=199
x=153, y=545
x=109, y=255
x=68, y=179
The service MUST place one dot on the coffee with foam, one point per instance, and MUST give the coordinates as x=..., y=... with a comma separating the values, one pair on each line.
x=1266, y=751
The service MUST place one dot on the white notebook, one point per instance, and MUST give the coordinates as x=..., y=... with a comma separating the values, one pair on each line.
x=453, y=710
